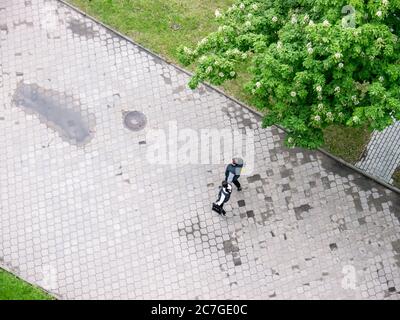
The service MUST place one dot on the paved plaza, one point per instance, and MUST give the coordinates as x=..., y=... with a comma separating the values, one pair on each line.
x=86, y=215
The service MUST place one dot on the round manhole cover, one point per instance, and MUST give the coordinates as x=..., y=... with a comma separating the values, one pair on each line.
x=135, y=120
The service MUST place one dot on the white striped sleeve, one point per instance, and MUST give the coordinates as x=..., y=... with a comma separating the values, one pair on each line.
x=221, y=200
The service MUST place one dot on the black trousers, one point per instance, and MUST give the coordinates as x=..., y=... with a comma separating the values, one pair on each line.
x=222, y=208
x=236, y=183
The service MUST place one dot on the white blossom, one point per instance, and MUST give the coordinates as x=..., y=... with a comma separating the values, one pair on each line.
x=356, y=119
x=202, y=59
x=294, y=19
x=258, y=84
x=290, y=140
x=354, y=98
x=318, y=88
x=337, y=89
x=309, y=45
x=340, y=65
x=338, y=55
x=293, y=94
x=241, y=6
x=310, y=50
x=244, y=56
x=254, y=6
x=249, y=16
x=187, y=51
x=329, y=115
x=235, y=51
x=209, y=69
x=232, y=73
x=385, y=2
x=221, y=74
x=381, y=79
x=306, y=18
x=253, y=91
x=379, y=13
x=320, y=106
x=217, y=13
x=274, y=19
x=311, y=23
x=326, y=23
x=247, y=24
x=279, y=44
x=317, y=118
x=203, y=41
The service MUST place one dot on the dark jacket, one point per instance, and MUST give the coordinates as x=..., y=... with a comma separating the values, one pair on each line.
x=232, y=172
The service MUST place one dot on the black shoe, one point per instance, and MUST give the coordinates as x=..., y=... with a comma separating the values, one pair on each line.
x=239, y=189
x=223, y=212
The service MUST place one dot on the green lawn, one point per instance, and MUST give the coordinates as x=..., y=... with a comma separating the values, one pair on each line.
x=13, y=288
x=346, y=143
x=163, y=25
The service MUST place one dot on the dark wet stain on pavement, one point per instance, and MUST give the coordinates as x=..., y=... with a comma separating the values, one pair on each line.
x=167, y=79
x=3, y=28
x=81, y=28
x=58, y=111
x=22, y=23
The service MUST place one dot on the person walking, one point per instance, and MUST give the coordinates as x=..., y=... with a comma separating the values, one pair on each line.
x=223, y=197
x=233, y=171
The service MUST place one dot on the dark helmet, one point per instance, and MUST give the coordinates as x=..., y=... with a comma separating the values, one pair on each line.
x=237, y=161
x=226, y=186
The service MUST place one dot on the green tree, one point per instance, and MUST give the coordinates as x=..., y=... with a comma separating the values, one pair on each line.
x=313, y=63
